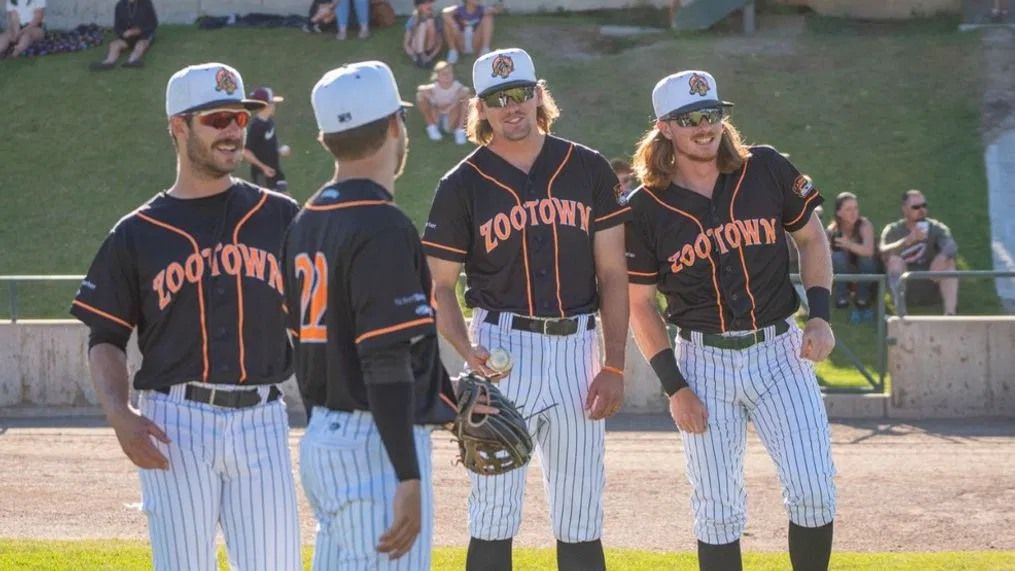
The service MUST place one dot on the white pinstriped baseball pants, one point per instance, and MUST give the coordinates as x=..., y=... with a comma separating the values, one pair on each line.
x=350, y=483
x=228, y=467
x=552, y=373
x=770, y=385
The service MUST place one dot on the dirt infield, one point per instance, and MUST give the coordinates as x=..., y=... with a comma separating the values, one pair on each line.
x=902, y=487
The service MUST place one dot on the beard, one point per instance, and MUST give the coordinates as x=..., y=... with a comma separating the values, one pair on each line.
x=203, y=158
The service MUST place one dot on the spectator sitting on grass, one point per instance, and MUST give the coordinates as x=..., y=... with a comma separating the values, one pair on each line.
x=468, y=28
x=24, y=26
x=423, y=34
x=362, y=9
x=134, y=23
x=321, y=17
x=444, y=104
x=918, y=243
x=851, y=238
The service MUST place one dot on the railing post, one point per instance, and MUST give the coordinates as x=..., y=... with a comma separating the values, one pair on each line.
x=882, y=335
x=12, y=288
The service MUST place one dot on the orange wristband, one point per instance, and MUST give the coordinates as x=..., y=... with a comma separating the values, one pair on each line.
x=613, y=370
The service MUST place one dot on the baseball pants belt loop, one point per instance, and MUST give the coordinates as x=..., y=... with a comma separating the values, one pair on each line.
x=558, y=327
x=738, y=342
x=226, y=399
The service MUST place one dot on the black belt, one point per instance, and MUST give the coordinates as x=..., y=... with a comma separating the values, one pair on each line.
x=226, y=399
x=738, y=342
x=565, y=326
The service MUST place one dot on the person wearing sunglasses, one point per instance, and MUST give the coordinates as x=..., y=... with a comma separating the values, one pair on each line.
x=709, y=230
x=195, y=271
x=536, y=223
x=367, y=360
x=24, y=26
x=918, y=243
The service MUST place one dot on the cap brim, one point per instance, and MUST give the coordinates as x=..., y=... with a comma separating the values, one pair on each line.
x=277, y=99
x=696, y=106
x=248, y=104
x=406, y=104
x=506, y=85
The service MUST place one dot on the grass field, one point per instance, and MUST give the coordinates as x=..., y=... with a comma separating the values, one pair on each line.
x=869, y=108
x=129, y=556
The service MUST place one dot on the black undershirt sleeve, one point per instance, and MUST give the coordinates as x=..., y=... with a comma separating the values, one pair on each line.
x=387, y=373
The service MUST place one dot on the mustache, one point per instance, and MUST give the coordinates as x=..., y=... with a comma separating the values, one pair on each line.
x=230, y=141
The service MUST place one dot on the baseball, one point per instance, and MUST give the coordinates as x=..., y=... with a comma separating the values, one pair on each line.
x=499, y=360
x=284, y=150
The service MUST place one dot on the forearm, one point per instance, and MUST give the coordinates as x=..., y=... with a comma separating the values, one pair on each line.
x=450, y=321
x=893, y=247
x=815, y=264
x=614, y=313
x=649, y=328
x=108, y=365
x=248, y=156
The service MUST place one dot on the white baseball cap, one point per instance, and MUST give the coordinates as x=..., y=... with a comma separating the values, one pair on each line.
x=355, y=94
x=502, y=69
x=686, y=91
x=206, y=86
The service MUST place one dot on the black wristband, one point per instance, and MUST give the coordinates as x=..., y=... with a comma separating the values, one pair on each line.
x=665, y=366
x=818, y=299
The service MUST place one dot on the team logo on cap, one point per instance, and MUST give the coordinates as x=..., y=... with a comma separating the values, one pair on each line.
x=802, y=186
x=698, y=84
x=225, y=81
x=502, y=66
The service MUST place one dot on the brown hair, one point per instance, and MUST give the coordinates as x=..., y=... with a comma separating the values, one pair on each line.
x=357, y=143
x=620, y=165
x=481, y=133
x=655, y=162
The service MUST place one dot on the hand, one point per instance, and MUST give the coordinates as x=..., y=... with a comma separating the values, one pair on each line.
x=688, y=412
x=840, y=242
x=606, y=395
x=268, y=171
x=398, y=539
x=915, y=235
x=818, y=340
x=135, y=433
x=476, y=358
x=284, y=150
x=131, y=32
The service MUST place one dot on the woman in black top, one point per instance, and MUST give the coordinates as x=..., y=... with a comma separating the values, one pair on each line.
x=851, y=237
x=134, y=23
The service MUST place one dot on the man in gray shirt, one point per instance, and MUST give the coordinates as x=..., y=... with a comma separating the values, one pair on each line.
x=918, y=243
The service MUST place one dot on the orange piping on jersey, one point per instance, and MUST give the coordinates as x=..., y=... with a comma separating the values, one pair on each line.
x=612, y=214
x=525, y=248
x=743, y=261
x=556, y=244
x=715, y=283
x=239, y=286
x=393, y=328
x=200, y=288
x=643, y=274
x=108, y=316
x=443, y=247
x=803, y=210
x=318, y=207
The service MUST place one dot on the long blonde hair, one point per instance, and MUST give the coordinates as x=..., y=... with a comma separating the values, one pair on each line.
x=481, y=133
x=655, y=161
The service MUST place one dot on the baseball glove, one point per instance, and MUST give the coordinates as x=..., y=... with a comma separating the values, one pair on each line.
x=489, y=444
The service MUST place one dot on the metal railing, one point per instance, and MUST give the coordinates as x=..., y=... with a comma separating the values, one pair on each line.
x=12, y=287
x=918, y=275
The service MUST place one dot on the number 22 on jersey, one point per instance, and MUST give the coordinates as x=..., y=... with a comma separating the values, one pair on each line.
x=313, y=296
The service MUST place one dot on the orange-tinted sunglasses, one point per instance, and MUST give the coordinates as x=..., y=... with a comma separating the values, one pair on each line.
x=221, y=119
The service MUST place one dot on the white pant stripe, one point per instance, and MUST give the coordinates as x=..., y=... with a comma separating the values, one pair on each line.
x=771, y=386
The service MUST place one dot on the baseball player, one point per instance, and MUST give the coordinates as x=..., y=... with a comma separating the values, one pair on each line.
x=709, y=230
x=536, y=222
x=194, y=269
x=263, y=151
x=358, y=292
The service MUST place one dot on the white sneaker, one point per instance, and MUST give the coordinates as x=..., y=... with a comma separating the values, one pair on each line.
x=460, y=138
x=452, y=56
x=433, y=132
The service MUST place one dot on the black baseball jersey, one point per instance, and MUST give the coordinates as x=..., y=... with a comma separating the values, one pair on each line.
x=723, y=263
x=356, y=279
x=263, y=142
x=526, y=239
x=201, y=281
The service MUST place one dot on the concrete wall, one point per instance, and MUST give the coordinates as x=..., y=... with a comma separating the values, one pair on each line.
x=945, y=367
x=70, y=13
x=44, y=367
x=878, y=9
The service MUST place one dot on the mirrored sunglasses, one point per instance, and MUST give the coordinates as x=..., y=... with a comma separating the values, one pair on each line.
x=694, y=118
x=514, y=94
